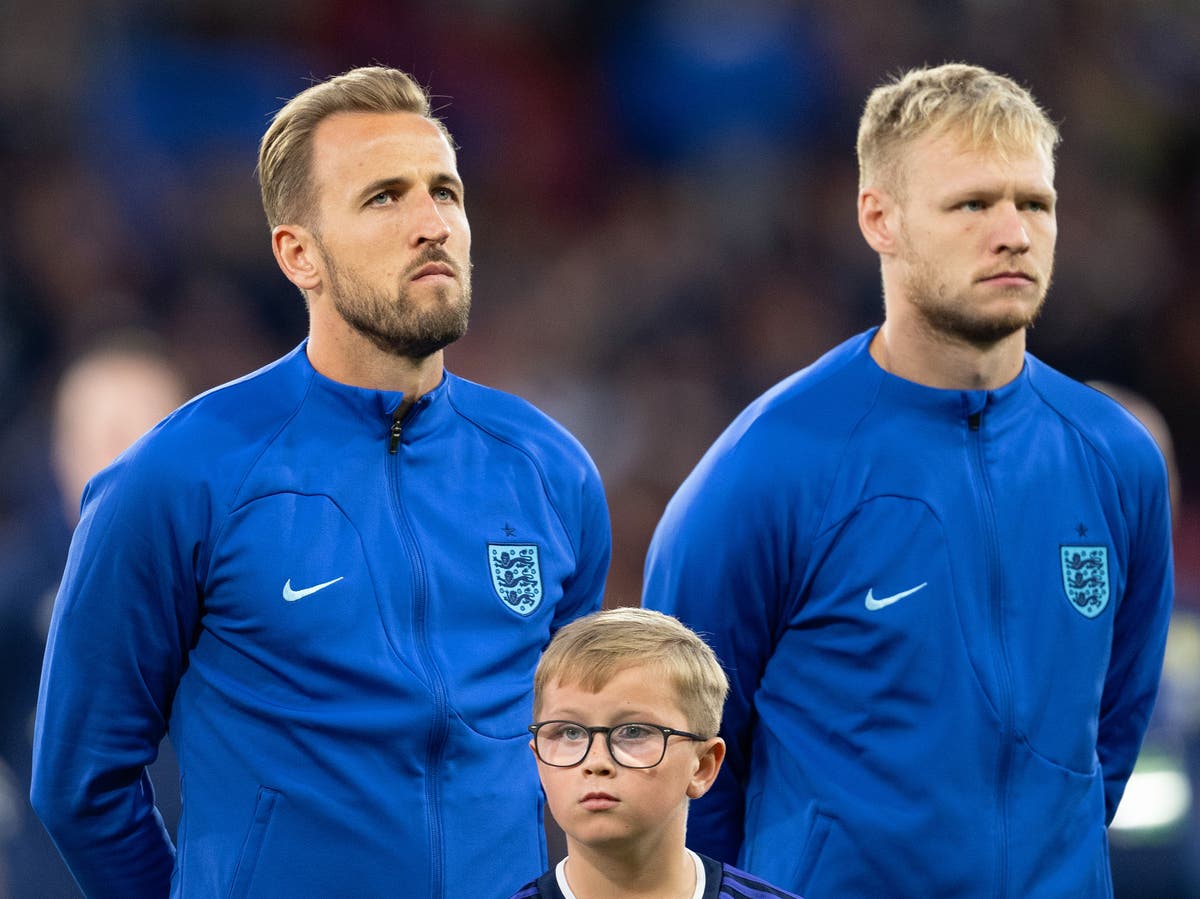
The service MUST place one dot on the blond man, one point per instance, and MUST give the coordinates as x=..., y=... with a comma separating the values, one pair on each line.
x=939, y=571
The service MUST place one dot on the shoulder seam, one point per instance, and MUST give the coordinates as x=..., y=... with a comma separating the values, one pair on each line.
x=527, y=454
x=232, y=504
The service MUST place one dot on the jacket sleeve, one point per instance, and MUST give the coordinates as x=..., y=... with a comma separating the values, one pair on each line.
x=117, y=645
x=584, y=592
x=718, y=561
x=1139, y=635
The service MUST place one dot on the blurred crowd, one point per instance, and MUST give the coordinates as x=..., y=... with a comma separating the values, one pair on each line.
x=662, y=196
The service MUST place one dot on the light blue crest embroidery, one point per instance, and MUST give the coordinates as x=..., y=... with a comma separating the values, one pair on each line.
x=1085, y=578
x=516, y=575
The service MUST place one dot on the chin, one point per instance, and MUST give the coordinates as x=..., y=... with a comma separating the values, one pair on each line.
x=987, y=329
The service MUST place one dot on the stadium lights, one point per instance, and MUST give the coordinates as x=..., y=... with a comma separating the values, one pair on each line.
x=1157, y=799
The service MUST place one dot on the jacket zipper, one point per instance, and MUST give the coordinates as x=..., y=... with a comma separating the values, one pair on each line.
x=1004, y=675
x=420, y=604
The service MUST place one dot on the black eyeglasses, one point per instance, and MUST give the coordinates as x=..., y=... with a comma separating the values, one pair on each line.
x=564, y=744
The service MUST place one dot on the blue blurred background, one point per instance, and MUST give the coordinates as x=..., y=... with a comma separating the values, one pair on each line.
x=662, y=197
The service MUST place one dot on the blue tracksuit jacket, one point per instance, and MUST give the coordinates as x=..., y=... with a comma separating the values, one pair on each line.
x=943, y=613
x=338, y=616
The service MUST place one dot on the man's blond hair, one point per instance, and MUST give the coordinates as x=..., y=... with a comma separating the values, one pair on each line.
x=591, y=651
x=285, y=154
x=989, y=111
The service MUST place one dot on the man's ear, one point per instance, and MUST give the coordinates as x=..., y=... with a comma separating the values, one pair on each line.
x=295, y=249
x=707, y=768
x=878, y=220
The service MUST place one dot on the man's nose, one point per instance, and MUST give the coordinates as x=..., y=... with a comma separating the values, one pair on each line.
x=1010, y=234
x=431, y=225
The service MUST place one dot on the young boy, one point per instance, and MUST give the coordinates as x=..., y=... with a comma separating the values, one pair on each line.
x=626, y=704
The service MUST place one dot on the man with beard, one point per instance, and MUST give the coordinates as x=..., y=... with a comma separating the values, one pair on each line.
x=939, y=571
x=330, y=580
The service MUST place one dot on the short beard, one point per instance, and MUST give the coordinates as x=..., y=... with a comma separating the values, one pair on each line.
x=954, y=318
x=395, y=325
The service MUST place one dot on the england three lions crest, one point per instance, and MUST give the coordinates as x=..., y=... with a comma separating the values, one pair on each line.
x=516, y=575
x=1085, y=578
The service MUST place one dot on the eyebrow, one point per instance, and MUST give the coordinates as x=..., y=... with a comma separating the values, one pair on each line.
x=444, y=178
x=578, y=716
x=1050, y=197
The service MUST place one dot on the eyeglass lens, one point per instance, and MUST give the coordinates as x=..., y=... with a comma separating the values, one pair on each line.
x=565, y=743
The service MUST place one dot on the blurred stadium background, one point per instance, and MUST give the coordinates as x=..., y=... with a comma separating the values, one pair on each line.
x=662, y=200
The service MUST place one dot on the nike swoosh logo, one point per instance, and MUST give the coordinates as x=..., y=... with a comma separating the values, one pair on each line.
x=874, y=605
x=292, y=595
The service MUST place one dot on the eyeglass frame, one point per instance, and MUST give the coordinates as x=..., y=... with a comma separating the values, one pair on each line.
x=667, y=733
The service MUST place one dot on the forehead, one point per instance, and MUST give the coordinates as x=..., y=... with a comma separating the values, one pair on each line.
x=949, y=161
x=351, y=148
x=644, y=688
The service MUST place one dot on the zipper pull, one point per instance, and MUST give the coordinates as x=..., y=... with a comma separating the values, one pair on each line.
x=396, y=430
x=973, y=420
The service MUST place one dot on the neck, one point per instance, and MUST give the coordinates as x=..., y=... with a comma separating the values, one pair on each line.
x=601, y=873
x=349, y=358
x=934, y=359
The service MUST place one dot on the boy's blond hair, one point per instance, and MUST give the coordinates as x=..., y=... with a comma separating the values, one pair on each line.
x=285, y=153
x=989, y=111
x=591, y=651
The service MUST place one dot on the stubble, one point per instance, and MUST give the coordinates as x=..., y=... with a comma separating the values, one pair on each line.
x=397, y=323
x=960, y=317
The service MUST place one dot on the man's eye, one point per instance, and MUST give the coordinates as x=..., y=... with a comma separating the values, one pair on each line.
x=381, y=199
x=444, y=194
x=973, y=205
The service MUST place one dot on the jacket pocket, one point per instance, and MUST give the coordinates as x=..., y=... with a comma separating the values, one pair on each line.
x=243, y=874
x=784, y=841
x=818, y=834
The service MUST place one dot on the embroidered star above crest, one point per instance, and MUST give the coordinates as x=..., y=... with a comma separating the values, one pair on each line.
x=509, y=530
x=1081, y=529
